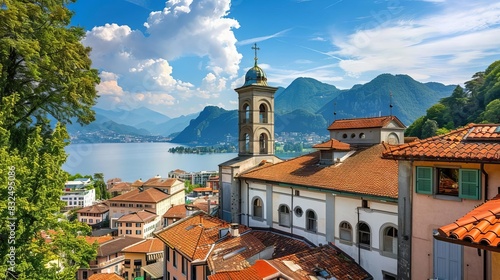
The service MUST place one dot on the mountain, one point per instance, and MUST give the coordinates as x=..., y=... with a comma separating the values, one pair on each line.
x=300, y=121
x=211, y=126
x=132, y=117
x=304, y=93
x=410, y=99
x=169, y=127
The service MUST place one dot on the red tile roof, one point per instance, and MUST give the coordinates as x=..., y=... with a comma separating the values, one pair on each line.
x=333, y=144
x=150, y=245
x=120, y=186
x=364, y=172
x=195, y=235
x=260, y=270
x=96, y=209
x=105, y=276
x=283, y=245
x=143, y=216
x=160, y=182
x=472, y=143
x=98, y=239
x=479, y=228
x=176, y=212
x=115, y=245
x=364, y=123
x=150, y=195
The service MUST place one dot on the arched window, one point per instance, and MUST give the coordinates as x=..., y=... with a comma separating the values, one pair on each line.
x=284, y=215
x=262, y=113
x=257, y=207
x=345, y=231
x=263, y=143
x=247, y=142
x=312, y=221
x=393, y=138
x=246, y=110
x=364, y=238
x=390, y=240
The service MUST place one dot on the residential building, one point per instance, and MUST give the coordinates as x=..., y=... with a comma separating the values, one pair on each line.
x=440, y=179
x=480, y=229
x=344, y=193
x=156, y=195
x=140, y=224
x=78, y=193
x=109, y=256
x=196, y=178
x=174, y=214
x=120, y=188
x=141, y=254
x=94, y=214
x=213, y=183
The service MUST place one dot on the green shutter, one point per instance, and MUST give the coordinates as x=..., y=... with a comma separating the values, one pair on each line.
x=424, y=180
x=469, y=184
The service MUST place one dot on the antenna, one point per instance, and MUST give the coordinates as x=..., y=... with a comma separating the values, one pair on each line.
x=256, y=49
x=390, y=103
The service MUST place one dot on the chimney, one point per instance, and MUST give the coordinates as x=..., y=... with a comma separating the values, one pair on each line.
x=234, y=230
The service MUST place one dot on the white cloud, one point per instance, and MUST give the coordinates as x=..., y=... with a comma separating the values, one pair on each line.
x=454, y=37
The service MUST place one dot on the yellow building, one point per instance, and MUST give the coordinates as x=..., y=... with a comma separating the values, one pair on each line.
x=141, y=254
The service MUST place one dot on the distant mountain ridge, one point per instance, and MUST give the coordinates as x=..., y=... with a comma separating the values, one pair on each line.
x=308, y=105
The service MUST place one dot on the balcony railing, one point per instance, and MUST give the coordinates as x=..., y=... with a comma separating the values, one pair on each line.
x=107, y=263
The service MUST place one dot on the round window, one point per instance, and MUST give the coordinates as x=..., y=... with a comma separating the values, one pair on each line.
x=344, y=135
x=298, y=211
x=353, y=135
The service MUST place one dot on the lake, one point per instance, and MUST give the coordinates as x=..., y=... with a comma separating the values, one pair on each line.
x=132, y=161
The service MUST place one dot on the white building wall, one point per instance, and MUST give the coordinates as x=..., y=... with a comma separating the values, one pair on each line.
x=377, y=216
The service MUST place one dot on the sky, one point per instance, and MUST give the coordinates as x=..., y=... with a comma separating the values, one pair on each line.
x=178, y=56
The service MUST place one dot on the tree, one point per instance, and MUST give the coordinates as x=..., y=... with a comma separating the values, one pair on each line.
x=429, y=128
x=415, y=129
x=44, y=72
x=492, y=112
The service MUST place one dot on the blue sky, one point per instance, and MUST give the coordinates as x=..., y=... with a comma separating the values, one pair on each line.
x=178, y=56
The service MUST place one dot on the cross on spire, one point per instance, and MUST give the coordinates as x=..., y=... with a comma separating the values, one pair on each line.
x=256, y=49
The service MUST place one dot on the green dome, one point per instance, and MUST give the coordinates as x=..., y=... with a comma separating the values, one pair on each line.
x=255, y=76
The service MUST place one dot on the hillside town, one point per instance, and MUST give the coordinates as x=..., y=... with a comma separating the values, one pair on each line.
x=369, y=203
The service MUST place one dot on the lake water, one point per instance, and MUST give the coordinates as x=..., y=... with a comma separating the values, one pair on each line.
x=132, y=161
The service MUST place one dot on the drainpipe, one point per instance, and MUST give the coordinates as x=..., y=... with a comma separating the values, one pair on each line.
x=291, y=214
x=486, y=186
x=248, y=204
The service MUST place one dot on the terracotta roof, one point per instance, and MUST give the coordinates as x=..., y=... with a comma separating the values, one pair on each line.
x=331, y=260
x=98, y=239
x=120, y=186
x=150, y=195
x=137, y=183
x=115, y=245
x=333, y=144
x=304, y=265
x=160, y=182
x=150, y=245
x=195, y=235
x=105, y=276
x=364, y=123
x=283, y=244
x=96, y=209
x=155, y=269
x=143, y=216
x=232, y=253
x=176, y=212
x=472, y=143
x=205, y=189
x=364, y=172
x=479, y=228
x=260, y=270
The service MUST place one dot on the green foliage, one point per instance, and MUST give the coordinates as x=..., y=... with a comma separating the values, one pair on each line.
x=44, y=70
x=100, y=187
x=479, y=102
x=190, y=187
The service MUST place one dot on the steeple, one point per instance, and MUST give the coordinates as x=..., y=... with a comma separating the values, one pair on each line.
x=256, y=112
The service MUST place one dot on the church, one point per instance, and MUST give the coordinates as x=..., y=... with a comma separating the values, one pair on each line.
x=344, y=193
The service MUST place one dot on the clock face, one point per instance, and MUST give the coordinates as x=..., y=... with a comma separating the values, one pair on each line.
x=392, y=139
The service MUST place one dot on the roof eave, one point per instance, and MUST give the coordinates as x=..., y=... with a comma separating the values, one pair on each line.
x=468, y=244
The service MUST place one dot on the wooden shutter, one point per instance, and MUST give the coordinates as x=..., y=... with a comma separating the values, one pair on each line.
x=469, y=184
x=424, y=180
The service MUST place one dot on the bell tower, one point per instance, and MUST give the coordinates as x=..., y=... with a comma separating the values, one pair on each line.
x=256, y=113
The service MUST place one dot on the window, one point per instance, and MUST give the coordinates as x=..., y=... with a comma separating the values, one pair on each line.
x=91, y=220
x=128, y=231
x=464, y=183
x=284, y=216
x=257, y=208
x=247, y=142
x=184, y=265
x=174, y=258
x=388, y=276
x=344, y=135
x=138, y=231
x=263, y=143
x=126, y=263
x=362, y=135
x=128, y=224
x=345, y=231
x=85, y=275
x=246, y=111
x=97, y=220
x=298, y=211
x=364, y=236
x=311, y=223
x=390, y=240
x=137, y=224
x=262, y=113
x=353, y=135
x=168, y=253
